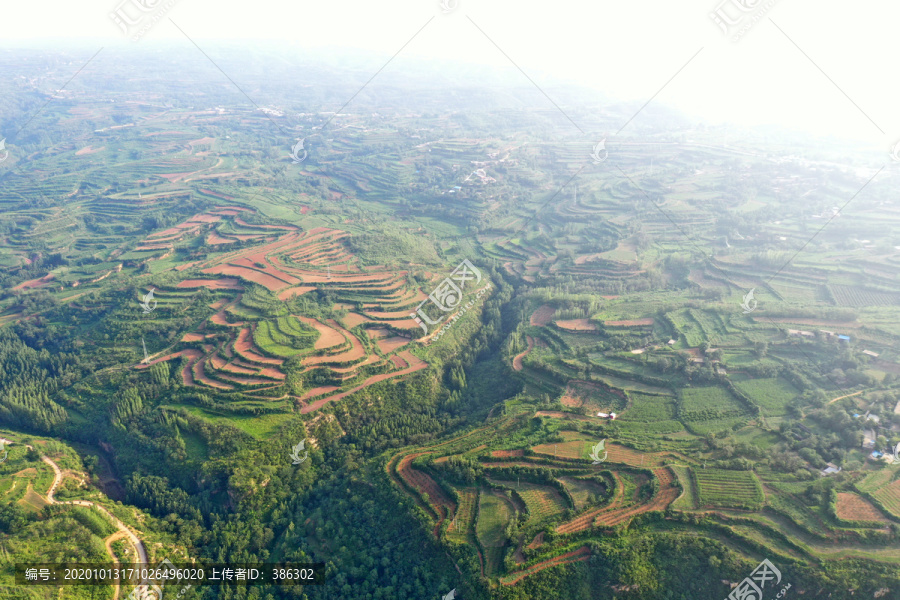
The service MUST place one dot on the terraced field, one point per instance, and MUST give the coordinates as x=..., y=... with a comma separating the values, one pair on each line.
x=540, y=500
x=853, y=507
x=736, y=489
x=889, y=496
x=236, y=350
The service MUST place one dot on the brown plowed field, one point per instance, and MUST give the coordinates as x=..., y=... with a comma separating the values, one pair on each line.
x=213, y=284
x=199, y=373
x=187, y=266
x=853, y=507
x=355, y=352
x=415, y=365
x=390, y=344
x=542, y=316
x=215, y=239
x=405, y=324
x=33, y=283
x=318, y=391
x=667, y=494
x=186, y=372
x=581, y=554
x=254, y=260
x=294, y=291
x=205, y=218
x=629, y=323
x=424, y=484
x=507, y=453
x=584, y=521
x=371, y=359
x=89, y=150
x=219, y=319
x=271, y=373
x=232, y=368
x=262, y=279
x=577, y=325
x=328, y=336
x=245, y=380
x=243, y=346
x=381, y=315
x=517, y=361
x=353, y=319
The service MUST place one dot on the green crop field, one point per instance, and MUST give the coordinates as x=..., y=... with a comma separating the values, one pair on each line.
x=581, y=489
x=710, y=410
x=735, y=489
x=771, y=394
x=494, y=512
x=647, y=409
x=688, y=498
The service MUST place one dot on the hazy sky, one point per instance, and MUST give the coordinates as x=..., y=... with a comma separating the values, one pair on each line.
x=626, y=48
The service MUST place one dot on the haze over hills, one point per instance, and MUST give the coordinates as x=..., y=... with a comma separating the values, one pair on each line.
x=440, y=329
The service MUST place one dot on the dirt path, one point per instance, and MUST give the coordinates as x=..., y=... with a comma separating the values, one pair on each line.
x=123, y=529
x=109, y=542
x=517, y=361
x=847, y=396
x=580, y=554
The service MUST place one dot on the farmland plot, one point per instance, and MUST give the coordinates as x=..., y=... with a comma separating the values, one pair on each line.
x=889, y=496
x=710, y=409
x=771, y=394
x=853, y=507
x=541, y=501
x=494, y=512
x=581, y=490
x=723, y=488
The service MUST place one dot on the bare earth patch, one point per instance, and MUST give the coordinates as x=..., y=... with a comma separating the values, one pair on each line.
x=542, y=316
x=852, y=507
x=577, y=325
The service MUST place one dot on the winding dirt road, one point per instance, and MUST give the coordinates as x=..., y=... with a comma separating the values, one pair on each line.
x=57, y=479
x=123, y=530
